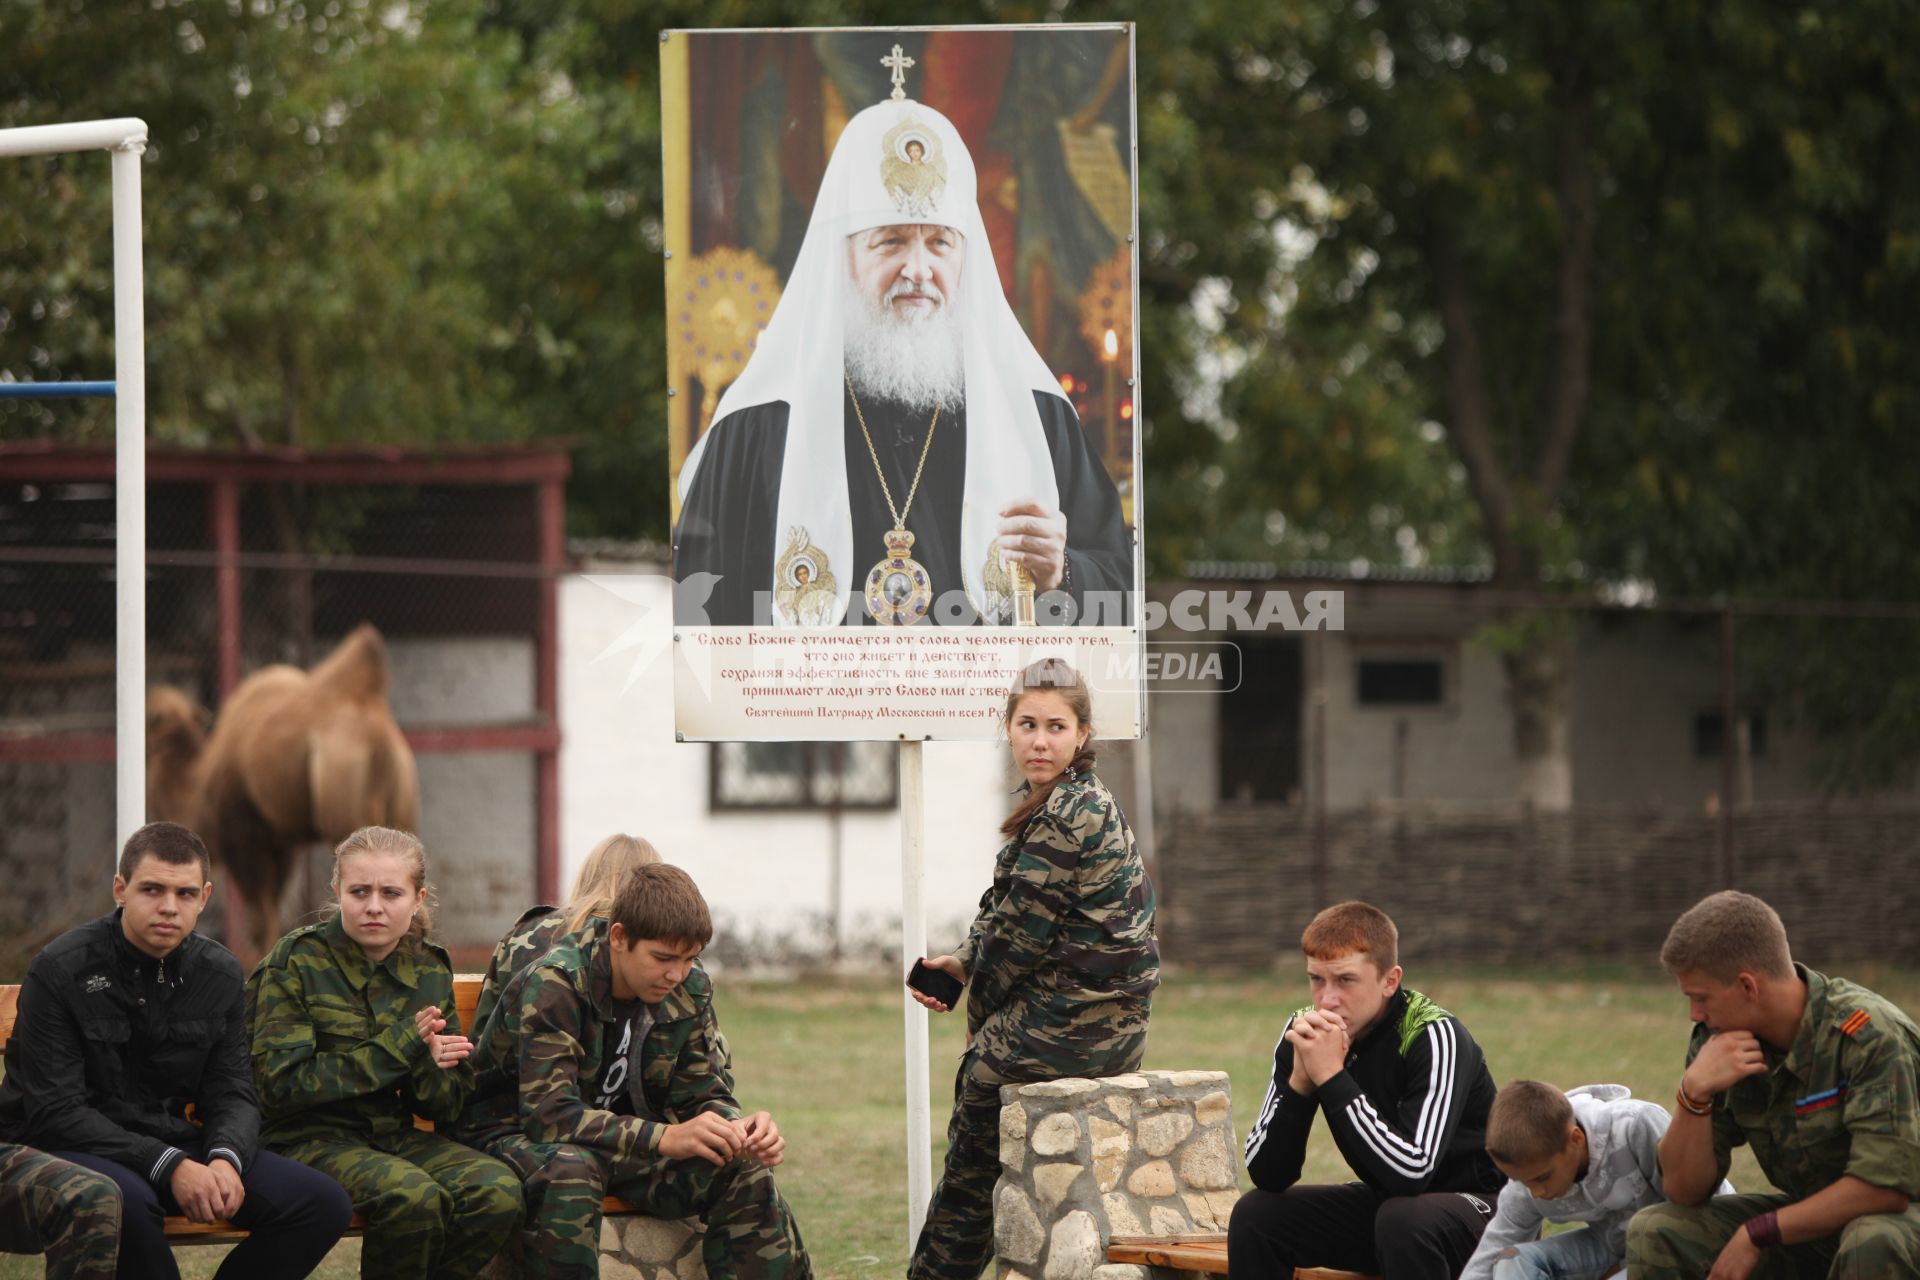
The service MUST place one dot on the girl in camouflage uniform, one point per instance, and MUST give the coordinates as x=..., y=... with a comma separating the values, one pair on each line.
x=354, y=1034
x=534, y=933
x=1060, y=962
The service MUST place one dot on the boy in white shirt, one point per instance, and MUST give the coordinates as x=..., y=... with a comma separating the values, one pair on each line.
x=1591, y=1156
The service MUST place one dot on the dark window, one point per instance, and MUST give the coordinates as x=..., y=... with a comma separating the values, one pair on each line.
x=1710, y=736
x=1401, y=682
x=1260, y=722
x=803, y=775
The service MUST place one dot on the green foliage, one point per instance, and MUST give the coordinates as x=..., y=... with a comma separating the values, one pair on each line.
x=1743, y=425
x=423, y=223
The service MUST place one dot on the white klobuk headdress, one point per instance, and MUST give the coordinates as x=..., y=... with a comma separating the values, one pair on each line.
x=875, y=178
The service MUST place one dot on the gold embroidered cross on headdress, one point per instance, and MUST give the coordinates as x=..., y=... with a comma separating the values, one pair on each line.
x=898, y=62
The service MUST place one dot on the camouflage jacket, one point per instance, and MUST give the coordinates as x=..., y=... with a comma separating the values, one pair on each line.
x=544, y=1045
x=1064, y=941
x=1841, y=1100
x=531, y=937
x=335, y=1050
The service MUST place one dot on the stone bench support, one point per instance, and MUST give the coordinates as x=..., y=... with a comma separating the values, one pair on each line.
x=631, y=1248
x=1149, y=1153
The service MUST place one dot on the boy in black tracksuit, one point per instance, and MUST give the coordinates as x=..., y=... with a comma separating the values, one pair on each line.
x=1406, y=1094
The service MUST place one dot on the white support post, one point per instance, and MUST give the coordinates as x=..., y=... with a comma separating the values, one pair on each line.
x=127, y=140
x=130, y=496
x=913, y=945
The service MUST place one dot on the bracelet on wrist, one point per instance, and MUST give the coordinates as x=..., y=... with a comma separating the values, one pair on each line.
x=1764, y=1230
x=1691, y=1106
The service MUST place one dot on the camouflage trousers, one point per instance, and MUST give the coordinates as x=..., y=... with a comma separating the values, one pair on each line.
x=957, y=1241
x=750, y=1235
x=1673, y=1242
x=69, y=1213
x=435, y=1208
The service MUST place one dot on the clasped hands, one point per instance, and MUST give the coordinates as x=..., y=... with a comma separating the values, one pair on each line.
x=206, y=1192
x=1320, y=1045
x=714, y=1138
x=446, y=1051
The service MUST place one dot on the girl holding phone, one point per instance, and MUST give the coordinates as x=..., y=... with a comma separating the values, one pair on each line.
x=1060, y=963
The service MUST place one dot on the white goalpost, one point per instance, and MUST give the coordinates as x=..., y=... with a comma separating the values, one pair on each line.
x=126, y=140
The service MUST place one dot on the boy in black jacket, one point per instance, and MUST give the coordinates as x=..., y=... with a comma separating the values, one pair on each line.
x=1406, y=1094
x=125, y=1023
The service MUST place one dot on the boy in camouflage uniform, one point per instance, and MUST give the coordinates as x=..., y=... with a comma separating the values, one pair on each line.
x=1818, y=1075
x=600, y=1073
x=69, y=1213
x=606, y=868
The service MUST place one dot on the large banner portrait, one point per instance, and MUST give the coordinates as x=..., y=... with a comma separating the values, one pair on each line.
x=900, y=311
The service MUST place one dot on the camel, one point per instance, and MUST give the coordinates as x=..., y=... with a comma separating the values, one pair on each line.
x=294, y=757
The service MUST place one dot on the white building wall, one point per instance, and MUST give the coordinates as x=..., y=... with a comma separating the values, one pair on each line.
x=766, y=876
x=1460, y=751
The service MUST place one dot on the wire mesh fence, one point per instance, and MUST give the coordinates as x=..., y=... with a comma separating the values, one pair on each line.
x=254, y=563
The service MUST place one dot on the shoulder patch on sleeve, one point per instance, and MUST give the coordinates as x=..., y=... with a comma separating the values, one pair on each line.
x=1855, y=1022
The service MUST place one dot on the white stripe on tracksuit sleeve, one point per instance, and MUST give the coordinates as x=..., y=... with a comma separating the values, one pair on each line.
x=1400, y=1153
x=1277, y=1143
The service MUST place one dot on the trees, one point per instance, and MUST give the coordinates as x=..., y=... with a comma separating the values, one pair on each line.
x=1613, y=290
x=1637, y=263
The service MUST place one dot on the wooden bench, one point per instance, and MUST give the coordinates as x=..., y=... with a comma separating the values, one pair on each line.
x=1205, y=1252
x=466, y=994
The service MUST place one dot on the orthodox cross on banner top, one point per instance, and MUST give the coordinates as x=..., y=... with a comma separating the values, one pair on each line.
x=898, y=62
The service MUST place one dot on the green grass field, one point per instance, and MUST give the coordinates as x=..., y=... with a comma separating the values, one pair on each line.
x=825, y=1058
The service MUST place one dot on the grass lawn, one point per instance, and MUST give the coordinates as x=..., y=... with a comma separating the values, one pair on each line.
x=825, y=1058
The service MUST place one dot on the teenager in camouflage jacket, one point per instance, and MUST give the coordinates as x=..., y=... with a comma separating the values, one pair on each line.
x=342, y=1068
x=531, y=937
x=605, y=869
x=547, y=1044
x=1060, y=963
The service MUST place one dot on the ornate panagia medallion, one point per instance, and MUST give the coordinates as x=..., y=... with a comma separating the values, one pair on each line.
x=898, y=591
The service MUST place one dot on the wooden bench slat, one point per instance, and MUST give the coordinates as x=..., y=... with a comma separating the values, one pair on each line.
x=1183, y=1237
x=1208, y=1258
x=1202, y=1251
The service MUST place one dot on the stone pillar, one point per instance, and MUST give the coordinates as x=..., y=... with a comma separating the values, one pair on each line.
x=1149, y=1153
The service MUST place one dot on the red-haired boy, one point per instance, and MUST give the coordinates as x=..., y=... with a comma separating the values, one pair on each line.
x=1406, y=1094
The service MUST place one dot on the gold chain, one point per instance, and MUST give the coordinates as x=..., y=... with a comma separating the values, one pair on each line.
x=899, y=514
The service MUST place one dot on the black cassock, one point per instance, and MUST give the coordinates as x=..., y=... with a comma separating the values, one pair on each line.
x=726, y=524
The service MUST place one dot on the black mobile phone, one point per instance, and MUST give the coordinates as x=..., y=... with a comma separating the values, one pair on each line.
x=935, y=983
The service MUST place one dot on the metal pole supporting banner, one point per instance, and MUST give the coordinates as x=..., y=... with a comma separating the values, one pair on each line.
x=913, y=945
x=130, y=493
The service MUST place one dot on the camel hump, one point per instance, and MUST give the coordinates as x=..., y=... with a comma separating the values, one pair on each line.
x=360, y=773
x=357, y=668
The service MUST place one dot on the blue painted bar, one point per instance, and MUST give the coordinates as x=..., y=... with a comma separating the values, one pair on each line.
x=55, y=390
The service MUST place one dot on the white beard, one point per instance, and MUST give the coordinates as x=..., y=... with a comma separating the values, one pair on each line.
x=915, y=362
